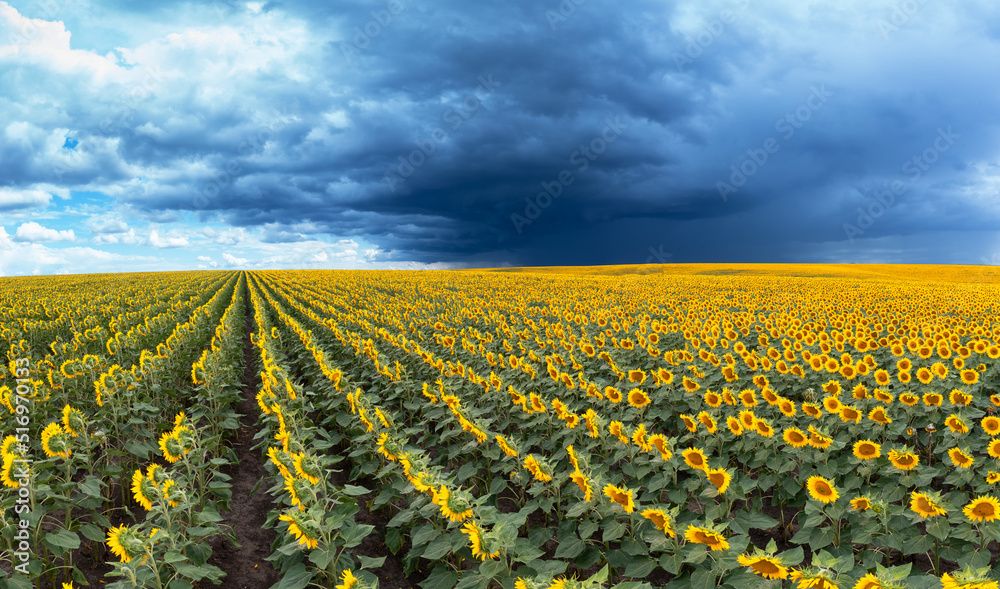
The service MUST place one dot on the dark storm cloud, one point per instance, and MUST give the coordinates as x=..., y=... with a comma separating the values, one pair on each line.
x=563, y=133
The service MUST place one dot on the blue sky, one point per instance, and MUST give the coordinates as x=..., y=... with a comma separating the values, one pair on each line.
x=408, y=134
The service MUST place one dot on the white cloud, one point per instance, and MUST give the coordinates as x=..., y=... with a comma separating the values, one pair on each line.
x=13, y=198
x=233, y=260
x=127, y=238
x=210, y=261
x=167, y=241
x=33, y=232
x=35, y=258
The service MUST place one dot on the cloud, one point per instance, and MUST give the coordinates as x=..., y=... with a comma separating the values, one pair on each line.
x=167, y=241
x=233, y=260
x=33, y=232
x=13, y=199
x=427, y=142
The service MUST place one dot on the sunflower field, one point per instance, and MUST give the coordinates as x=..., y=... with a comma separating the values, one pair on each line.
x=688, y=426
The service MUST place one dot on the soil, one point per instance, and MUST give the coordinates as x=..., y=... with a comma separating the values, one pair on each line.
x=246, y=565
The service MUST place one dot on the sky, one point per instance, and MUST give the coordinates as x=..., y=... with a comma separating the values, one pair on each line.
x=420, y=134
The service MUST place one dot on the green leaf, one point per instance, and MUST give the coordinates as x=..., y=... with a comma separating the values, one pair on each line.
x=297, y=577
x=92, y=532
x=492, y=568
x=614, y=531
x=354, y=490
x=63, y=539
x=570, y=547
x=640, y=568
x=438, y=548
x=368, y=562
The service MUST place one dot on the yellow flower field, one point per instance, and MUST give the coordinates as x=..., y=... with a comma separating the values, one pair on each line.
x=672, y=425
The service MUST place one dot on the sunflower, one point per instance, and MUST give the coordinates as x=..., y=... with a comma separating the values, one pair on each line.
x=860, y=392
x=904, y=365
x=295, y=528
x=7, y=472
x=734, y=425
x=957, y=397
x=695, y=458
x=141, y=491
x=690, y=385
x=849, y=413
x=882, y=377
x=927, y=505
x=795, y=437
x=636, y=376
x=861, y=504
x=535, y=467
x=967, y=579
x=118, y=538
x=993, y=447
x=748, y=419
x=904, y=377
x=660, y=443
x=689, y=423
x=818, y=439
x=933, y=399
x=982, y=509
x=613, y=394
x=55, y=441
x=969, y=376
x=638, y=398
x=956, y=424
x=705, y=536
x=992, y=477
x=822, y=489
x=347, y=580
x=617, y=429
x=764, y=428
x=831, y=404
x=713, y=400
x=622, y=496
x=909, y=399
x=867, y=450
x=812, y=410
x=661, y=519
x=9, y=444
x=475, y=534
x=960, y=458
x=719, y=477
x=748, y=397
x=903, y=460
x=924, y=375
x=708, y=421
x=766, y=566
x=584, y=483
x=169, y=444
x=878, y=415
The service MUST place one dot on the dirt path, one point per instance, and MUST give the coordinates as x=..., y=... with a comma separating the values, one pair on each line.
x=245, y=566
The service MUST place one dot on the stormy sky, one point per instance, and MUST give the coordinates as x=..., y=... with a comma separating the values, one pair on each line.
x=445, y=134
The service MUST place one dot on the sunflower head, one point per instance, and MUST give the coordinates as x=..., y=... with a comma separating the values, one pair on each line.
x=822, y=489
x=985, y=508
x=764, y=563
x=927, y=504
